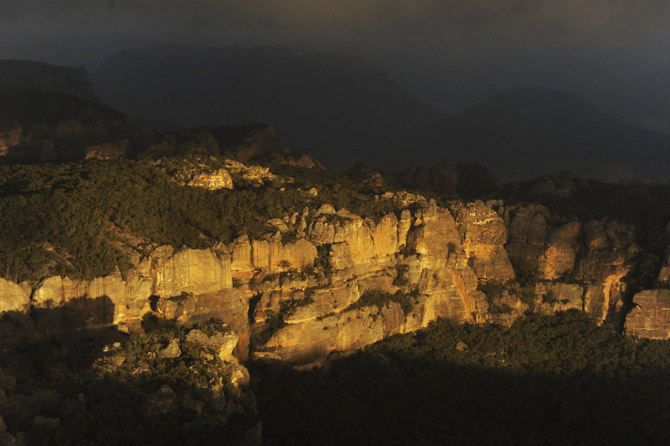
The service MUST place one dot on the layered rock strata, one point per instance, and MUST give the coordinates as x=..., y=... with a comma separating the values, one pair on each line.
x=326, y=280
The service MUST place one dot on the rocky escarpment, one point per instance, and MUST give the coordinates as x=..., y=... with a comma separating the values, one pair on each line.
x=650, y=315
x=582, y=264
x=197, y=282
x=289, y=268
x=324, y=280
x=402, y=271
x=378, y=278
x=208, y=173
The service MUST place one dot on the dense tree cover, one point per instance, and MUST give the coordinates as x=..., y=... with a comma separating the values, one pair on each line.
x=340, y=189
x=138, y=397
x=74, y=219
x=551, y=380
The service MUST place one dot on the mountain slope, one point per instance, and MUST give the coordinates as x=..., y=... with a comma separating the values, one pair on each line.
x=40, y=126
x=17, y=76
x=527, y=131
x=319, y=103
x=46, y=126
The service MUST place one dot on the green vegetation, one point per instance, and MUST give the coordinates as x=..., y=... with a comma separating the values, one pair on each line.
x=525, y=271
x=188, y=371
x=549, y=298
x=76, y=219
x=290, y=275
x=494, y=292
x=276, y=321
x=72, y=218
x=288, y=307
x=322, y=260
x=381, y=300
x=527, y=295
x=401, y=278
x=273, y=323
x=133, y=395
x=550, y=380
x=340, y=189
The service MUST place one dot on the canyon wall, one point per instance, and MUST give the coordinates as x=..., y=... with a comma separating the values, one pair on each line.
x=325, y=281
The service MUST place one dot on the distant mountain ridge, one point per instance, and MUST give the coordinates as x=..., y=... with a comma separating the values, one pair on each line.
x=526, y=131
x=341, y=111
x=39, y=126
x=336, y=108
x=18, y=76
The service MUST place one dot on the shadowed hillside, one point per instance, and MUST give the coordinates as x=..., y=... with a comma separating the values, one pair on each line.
x=555, y=380
x=527, y=131
x=17, y=76
x=319, y=103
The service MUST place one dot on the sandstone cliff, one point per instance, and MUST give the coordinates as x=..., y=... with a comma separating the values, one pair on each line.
x=595, y=256
x=325, y=280
x=650, y=315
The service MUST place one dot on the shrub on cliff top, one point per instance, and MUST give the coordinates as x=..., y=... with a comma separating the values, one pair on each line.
x=74, y=219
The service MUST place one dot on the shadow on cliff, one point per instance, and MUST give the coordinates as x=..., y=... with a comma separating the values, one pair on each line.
x=370, y=399
x=50, y=393
x=55, y=339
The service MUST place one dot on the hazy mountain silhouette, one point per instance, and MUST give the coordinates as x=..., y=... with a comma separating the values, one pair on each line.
x=336, y=108
x=18, y=76
x=526, y=131
x=644, y=100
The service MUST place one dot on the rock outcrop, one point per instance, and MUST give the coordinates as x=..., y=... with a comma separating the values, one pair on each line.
x=324, y=280
x=384, y=277
x=595, y=255
x=14, y=297
x=650, y=317
x=483, y=235
x=189, y=285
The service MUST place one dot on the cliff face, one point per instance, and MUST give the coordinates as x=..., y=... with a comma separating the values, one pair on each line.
x=189, y=285
x=650, y=315
x=324, y=280
x=650, y=318
x=593, y=256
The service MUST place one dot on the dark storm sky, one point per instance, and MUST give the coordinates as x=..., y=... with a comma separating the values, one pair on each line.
x=451, y=52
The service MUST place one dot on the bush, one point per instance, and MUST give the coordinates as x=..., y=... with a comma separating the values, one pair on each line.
x=401, y=278
x=381, y=300
x=549, y=298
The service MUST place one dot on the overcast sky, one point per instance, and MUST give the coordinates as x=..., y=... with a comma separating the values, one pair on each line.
x=451, y=52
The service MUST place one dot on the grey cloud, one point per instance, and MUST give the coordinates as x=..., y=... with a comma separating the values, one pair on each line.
x=328, y=15
x=452, y=51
